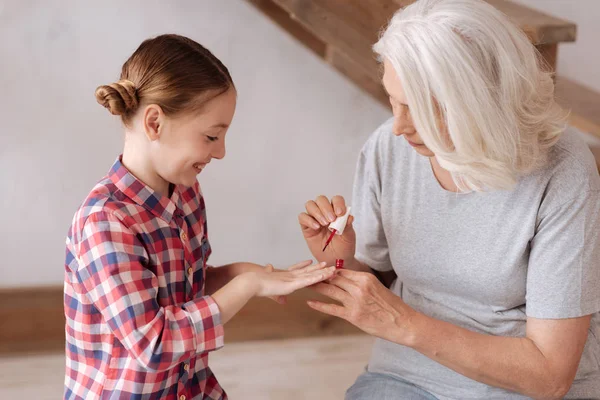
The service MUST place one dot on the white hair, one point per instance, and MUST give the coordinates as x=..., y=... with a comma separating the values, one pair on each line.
x=466, y=63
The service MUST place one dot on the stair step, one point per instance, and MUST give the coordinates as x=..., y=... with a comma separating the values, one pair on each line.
x=583, y=102
x=352, y=26
x=342, y=32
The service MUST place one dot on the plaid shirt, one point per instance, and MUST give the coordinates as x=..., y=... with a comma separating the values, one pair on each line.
x=138, y=323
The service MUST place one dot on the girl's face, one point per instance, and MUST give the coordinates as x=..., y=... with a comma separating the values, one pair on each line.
x=184, y=145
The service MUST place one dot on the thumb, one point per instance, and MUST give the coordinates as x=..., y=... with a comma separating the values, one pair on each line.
x=349, y=225
x=269, y=268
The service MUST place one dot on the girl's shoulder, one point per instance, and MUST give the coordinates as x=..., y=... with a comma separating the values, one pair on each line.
x=103, y=199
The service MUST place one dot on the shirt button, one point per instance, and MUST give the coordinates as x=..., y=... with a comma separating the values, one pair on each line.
x=186, y=367
x=183, y=236
x=190, y=270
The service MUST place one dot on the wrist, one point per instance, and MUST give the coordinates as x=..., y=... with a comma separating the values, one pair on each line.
x=412, y=329
x=251, y=267
x=352, y=263
x=249, y=283
x=356, y=265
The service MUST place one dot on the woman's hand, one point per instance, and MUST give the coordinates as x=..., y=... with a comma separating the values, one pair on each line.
x=275, y=283
x=368, y=305
x=314, y=223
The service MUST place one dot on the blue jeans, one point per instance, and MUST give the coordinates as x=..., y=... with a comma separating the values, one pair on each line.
x=370, y=386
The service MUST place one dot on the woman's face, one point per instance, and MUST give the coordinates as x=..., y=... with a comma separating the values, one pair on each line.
x=187, y=143
x=403, y=124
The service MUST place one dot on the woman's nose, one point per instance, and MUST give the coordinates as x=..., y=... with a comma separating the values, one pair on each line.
x=402, y=127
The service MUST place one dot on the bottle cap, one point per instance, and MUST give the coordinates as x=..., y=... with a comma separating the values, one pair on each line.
x=340, y=223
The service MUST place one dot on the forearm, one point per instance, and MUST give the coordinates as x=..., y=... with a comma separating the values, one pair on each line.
x=511, y=363
x=217, y=277
x=234, y=295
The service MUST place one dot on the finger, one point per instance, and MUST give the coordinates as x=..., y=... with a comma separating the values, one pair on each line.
x=269, y=268
x=308, y=223
x=326, y=208
x=351, y=274
x=309, y=279
x=339, y=205
x=314, y=211
x=325, y=308
x=279, y=299
x=349, y=234
x=310, y=268
x=356, y=282
x=344, y=283
x=301, y=264
x=331, y=291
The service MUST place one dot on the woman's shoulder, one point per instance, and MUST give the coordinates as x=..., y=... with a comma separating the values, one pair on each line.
x=570, y=172
x=571, y=162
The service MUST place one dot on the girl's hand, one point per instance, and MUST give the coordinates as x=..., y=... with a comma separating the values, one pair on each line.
x=274, y=283
x=278, y=299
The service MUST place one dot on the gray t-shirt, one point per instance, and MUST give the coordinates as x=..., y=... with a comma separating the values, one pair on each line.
x=482, y=261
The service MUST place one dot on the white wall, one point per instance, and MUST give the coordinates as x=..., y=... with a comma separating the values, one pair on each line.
x=296, y=134
x=580, y=60
x=297, y=131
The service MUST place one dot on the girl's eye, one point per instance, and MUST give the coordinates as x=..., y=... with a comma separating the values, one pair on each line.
x=212, y=138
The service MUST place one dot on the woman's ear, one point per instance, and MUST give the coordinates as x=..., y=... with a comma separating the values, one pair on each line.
x=153, y=120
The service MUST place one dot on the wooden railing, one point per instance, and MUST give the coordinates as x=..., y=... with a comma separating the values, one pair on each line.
x=342, y=32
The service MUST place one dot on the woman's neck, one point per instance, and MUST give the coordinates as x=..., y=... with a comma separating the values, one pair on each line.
x=444, y=177
x=140, y=166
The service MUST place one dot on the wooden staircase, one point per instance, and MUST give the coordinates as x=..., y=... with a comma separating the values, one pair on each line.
x=343, y=31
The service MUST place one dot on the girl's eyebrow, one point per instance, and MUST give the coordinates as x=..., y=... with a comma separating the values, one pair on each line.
x=221, y=125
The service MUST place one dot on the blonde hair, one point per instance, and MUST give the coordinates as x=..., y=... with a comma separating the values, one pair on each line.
x=172, y=71
x=463, y=61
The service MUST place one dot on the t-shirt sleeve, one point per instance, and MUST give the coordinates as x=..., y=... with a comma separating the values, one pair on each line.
x=563, y=277
x=371, y=244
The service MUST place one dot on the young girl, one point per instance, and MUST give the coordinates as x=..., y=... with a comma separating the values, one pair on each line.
x=143, y=309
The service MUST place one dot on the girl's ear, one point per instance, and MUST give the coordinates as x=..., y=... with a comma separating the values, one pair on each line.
x=153, y=120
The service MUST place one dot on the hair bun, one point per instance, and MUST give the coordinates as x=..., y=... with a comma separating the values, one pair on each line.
x=119, y=98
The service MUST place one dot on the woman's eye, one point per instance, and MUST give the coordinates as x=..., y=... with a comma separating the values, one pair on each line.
x=212, y=138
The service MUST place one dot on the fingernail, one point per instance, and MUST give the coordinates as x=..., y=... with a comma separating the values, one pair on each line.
x=339, y=211
x=331, y=217
x=324, y=221
x=316, y=226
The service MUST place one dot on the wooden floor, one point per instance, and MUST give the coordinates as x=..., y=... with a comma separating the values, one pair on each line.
x=292, y=369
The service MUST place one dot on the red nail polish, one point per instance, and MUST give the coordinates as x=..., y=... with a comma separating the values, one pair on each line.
x=339, y=264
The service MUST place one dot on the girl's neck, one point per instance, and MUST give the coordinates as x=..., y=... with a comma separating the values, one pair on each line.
x=140, y=166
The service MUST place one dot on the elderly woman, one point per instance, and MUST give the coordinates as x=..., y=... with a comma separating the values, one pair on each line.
x=479, y=211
